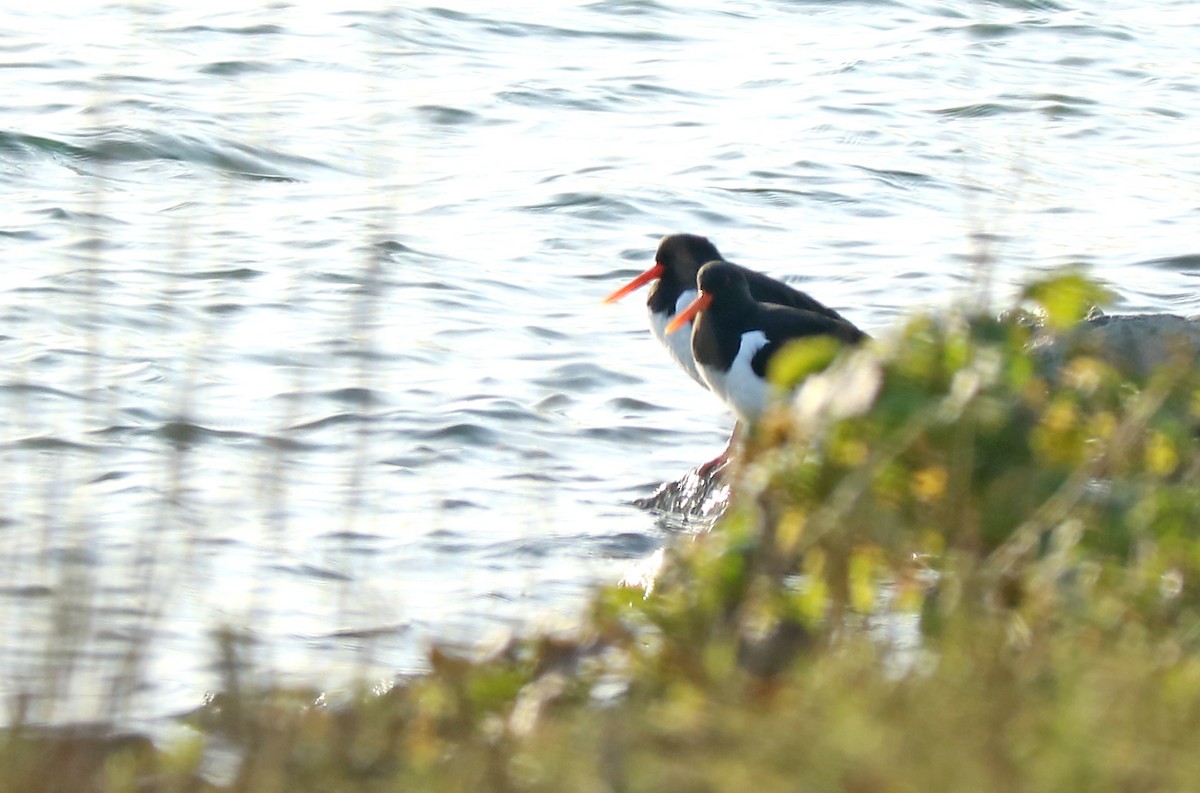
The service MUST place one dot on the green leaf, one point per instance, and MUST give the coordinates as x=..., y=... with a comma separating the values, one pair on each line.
x=800, y=358
x=1067, y=296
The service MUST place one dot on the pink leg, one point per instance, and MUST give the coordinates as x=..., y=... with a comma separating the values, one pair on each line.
x=711, y=467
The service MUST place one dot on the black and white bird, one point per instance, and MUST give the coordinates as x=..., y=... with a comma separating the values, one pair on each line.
x=676, y=264
x=735, y=335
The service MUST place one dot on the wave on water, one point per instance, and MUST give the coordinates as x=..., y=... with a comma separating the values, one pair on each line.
x=126, y=145
x=445, y=116
x=518, y=29
x=236, y=68
x=1188, y=261
x=244, y=30
x=591, y=206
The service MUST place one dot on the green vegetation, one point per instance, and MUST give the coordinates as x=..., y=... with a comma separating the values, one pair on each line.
x=984, y=578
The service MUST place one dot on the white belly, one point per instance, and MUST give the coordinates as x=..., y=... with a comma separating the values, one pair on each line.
x=679, y=343
x=740, y=387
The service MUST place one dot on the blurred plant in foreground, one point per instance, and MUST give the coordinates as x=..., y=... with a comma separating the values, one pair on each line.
x=955, y=561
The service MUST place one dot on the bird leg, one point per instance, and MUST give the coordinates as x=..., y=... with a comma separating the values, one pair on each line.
x=715, y=465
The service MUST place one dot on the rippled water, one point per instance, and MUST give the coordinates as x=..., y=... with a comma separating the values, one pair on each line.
x=301, y=322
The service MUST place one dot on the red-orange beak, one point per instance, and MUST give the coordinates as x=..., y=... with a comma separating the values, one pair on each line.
x=654, y=272
x=693, y=308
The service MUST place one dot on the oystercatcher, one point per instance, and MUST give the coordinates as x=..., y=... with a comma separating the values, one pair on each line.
x=735, y=335
x=676, y=264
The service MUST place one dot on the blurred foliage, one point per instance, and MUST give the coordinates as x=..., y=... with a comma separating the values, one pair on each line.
x=1066, y=297
x=946, y=567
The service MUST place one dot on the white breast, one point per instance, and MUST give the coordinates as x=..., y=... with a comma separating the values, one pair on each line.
x=740, y=387
x=679, y=343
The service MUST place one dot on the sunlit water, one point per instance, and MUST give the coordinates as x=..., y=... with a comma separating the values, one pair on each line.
x=301, y=323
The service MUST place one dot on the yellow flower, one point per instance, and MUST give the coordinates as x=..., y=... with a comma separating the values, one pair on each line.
x=929, y=484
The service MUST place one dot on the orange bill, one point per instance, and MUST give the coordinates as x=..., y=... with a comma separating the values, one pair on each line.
x=654, y=272
x=693, y=308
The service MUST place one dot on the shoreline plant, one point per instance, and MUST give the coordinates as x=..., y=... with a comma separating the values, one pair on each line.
x=947, y=565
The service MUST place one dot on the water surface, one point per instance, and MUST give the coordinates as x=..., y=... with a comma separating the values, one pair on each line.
x=301, y=323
